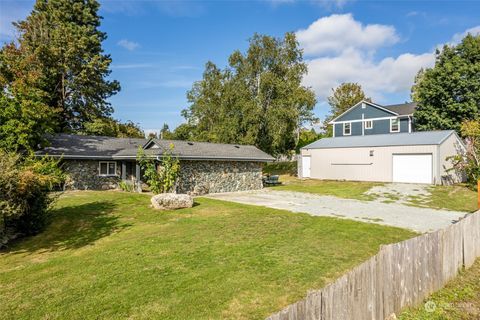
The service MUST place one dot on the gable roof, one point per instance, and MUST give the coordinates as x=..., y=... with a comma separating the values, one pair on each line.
x=384, y=140
x=403, y=108
x=98, y=147
x=395, y=109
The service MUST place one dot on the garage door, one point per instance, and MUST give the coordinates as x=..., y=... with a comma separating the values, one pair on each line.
x=412, y=168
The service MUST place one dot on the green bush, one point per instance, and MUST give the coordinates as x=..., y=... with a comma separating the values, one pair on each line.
x=281, y=167
x=126, y=186
x=25, y=185
x=162, y=178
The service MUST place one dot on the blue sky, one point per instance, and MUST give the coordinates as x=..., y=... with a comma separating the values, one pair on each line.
x=159, y=48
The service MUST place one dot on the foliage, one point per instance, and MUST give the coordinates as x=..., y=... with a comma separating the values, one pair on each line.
x=126, y=186
x=343, y=97
x=24, y=113
x=112, y=128
x=280, y=167
x=449, y=93
x=184, y=132
x=53, y=77
x=307, y=137
x=470, y=161
x=222, y=259
x=166, y=134
x=258, y=99
x=163, y=178
x=24, y=191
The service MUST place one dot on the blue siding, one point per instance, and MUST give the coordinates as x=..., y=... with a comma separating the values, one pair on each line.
x=381, y=126
x=369, y=112
x=356, y=129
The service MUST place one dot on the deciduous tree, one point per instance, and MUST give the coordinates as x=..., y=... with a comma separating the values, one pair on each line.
x=449, y=93
x=258, y=99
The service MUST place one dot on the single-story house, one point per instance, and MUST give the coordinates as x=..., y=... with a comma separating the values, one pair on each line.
x=95, y=162
x=409, y=157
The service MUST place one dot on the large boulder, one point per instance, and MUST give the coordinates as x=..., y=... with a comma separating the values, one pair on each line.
x=170, y=201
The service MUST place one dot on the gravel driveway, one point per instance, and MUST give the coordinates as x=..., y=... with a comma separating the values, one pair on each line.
x=392, y=214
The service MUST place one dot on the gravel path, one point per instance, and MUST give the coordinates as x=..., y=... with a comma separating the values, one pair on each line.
x=391, y=214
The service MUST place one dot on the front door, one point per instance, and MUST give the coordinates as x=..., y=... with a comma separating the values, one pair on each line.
x=305, y=166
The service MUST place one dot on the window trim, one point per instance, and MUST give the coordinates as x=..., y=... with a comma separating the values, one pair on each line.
x=368, y=127
x=391, y=125
x=108, y=166
x=350, y=133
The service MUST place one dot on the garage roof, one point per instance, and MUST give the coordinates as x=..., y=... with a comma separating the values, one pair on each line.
x=384, y=140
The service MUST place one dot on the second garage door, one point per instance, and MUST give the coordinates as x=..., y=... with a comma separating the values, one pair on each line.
x=412, y=168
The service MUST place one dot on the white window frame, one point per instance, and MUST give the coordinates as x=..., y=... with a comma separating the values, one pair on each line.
x=350, y=133
x=391, y=125
x=108, y=166
x=370, y=122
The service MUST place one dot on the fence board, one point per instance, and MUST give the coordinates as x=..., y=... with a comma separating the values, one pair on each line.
x=401, y=274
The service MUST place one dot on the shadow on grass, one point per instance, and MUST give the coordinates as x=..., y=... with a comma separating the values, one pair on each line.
x=72, y=227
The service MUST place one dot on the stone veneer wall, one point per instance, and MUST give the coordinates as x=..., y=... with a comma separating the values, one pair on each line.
x=197, y=177
x=83, y=175
x=200, y=177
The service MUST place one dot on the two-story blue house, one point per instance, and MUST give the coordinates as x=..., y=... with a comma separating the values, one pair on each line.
x=367, y=118
x=373, y=142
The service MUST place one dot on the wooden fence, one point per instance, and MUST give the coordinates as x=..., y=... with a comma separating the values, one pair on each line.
x=400, y=275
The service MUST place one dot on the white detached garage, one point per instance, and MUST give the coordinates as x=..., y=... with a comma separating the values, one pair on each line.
x=418, y=157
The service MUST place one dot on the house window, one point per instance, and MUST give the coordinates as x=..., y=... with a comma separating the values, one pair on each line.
x=107, y=168
x=347, y=128
x=368, y=124
x=394, y=125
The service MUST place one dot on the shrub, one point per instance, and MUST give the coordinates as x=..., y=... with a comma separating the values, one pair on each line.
x=470, y=161
x=163, y=178
x=281, y=167
x=25, y=185
x=126, y=186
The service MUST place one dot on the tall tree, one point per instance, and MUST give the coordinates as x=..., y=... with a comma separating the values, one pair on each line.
x=64, y=38
x=449, y=93
x=343, y=97
x=258, y=99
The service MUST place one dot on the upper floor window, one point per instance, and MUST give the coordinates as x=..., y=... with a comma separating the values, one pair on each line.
x=347, y=128
x=394, y=125
x=368, y=124
x=107, y=168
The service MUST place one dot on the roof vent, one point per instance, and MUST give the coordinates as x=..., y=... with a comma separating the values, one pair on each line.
x=238, y=147
x=190, y=143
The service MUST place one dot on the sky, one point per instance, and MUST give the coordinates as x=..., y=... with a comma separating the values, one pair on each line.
x=159, y=48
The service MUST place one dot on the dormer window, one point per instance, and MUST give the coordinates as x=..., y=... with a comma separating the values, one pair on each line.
x=347, y=128
x=394, y=125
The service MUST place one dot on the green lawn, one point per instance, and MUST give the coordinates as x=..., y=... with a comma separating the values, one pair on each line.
x=449, y=197
x=341, y=189
x=460, y=299
x=107, y=255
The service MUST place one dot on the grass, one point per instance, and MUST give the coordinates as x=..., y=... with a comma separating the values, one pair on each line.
x=458, y=198
x=460, y=299
x=107, y=255
x=341, y=189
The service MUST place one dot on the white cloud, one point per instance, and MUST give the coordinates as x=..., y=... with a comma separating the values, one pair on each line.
x=132, y=66
x=336, y=33
x=129, y=45
x=389, y=75
x=341, y=49
x=457, y=37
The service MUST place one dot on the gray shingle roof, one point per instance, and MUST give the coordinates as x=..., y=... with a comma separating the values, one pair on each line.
x=97, y=147
x=383, y=140
x=403, y=108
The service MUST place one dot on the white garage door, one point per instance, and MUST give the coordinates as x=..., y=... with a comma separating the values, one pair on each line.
x=305, y=167
x=412, y=168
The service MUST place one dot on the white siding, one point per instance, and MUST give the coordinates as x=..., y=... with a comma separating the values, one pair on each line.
x=356, y=163
x=449, y=147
